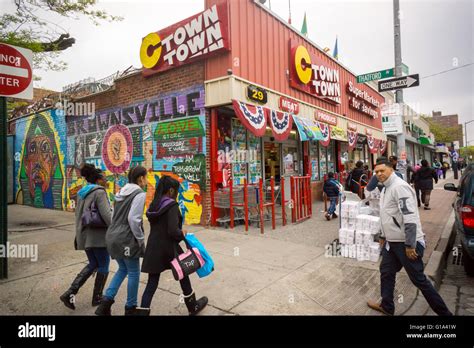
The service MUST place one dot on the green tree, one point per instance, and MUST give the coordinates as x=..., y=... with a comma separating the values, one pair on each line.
x=467, y=151
x=441, y=133
x=27, y=27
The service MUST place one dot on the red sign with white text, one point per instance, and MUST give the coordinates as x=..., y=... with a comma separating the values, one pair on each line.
x=325, y=117
x=192, y=39
x=16, y=76
x=289, y=105
x=313, y=75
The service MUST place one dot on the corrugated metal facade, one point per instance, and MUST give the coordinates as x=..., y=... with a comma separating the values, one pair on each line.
x=260, y=52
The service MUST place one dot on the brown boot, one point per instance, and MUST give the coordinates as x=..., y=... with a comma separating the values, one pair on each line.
x=377, y=306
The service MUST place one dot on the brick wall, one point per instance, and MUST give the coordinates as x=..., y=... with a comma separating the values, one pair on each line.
x=133, y=111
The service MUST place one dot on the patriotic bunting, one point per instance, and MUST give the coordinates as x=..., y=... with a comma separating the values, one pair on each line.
x=352, y=138
x=281, y=123
x=252, y=117
x=383, y=146
x=372, y=143
x=326, y=132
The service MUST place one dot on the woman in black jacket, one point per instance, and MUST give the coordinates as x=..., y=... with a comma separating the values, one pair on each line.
x=355, y=177
x=166, y=232
x=423, y=179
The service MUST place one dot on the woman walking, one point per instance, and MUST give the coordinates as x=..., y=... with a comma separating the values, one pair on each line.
x=166, y=232
x=90, y=237
x=423, y=179
x=355, y=177
x=125, y=241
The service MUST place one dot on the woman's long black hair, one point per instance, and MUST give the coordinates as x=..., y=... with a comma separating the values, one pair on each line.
x=166, y=183
x=91, y=173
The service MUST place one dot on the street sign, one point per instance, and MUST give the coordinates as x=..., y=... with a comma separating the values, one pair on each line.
x=392, y=118
x=382, y=74
x=399, y=83
x=16, y=75
x=405, y=69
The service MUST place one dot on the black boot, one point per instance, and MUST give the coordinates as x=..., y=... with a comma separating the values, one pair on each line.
x=194, y=307
x=100, y=280
x=104, y=308
x=137, y=311
x=68, y=298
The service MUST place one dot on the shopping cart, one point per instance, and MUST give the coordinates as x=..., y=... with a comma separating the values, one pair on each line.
x=261, y=211
x=222, y=201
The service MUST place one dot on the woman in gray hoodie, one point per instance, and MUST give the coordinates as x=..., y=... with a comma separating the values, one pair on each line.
x=125, y=241
x=90, y=238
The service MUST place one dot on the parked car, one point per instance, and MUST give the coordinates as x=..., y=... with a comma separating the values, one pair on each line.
x=464, y=210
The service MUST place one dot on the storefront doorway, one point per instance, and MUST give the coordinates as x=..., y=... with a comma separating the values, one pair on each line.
x=272, y=159
x=282, y=159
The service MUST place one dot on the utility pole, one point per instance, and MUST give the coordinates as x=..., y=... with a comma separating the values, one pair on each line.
x=465, y=132
x=3, y=185
x=401, y=153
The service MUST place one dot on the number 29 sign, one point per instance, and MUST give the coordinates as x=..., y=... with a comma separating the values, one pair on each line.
x=257, y=94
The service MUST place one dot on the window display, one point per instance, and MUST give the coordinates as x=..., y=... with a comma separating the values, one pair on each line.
x=314, y=158
x=255, y=161
x=323, y=161
x=239, y=145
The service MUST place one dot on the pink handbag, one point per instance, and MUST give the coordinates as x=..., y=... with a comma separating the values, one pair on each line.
x=186, y=263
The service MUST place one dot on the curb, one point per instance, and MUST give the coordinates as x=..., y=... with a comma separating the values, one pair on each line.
x=15, y=230
x=437, y=262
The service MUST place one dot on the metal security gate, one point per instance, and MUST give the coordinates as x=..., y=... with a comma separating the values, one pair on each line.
x=302, y=208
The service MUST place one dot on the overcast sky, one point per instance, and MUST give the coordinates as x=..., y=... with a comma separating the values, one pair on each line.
x=436, y=36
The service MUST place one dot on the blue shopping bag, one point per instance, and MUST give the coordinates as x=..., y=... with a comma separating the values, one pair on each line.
x=209, y=263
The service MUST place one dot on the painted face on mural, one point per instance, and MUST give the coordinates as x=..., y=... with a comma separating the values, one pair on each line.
x=40, y=162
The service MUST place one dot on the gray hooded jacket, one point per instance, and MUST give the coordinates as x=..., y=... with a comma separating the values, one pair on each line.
x=125, y=236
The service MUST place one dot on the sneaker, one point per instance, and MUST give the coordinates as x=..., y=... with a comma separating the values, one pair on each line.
x=327, y=216
x=378, y=307
x=427, y=208
x=334, y=216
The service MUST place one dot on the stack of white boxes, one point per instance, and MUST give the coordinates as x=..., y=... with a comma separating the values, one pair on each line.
x=357, y=232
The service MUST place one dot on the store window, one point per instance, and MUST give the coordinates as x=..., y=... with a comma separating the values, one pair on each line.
x=409, y=150
x=393, y=148
x=322, y=161
x=344, y=156
x=247, y=155
x=314, y=158
x=239, y=145
x=331, y=156
x=255, y=161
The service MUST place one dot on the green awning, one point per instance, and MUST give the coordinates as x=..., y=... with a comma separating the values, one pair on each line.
x=425, y=141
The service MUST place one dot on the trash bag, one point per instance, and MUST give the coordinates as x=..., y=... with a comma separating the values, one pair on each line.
x=209, y=263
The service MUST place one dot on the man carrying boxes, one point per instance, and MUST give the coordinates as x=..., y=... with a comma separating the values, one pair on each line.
x=402, y=241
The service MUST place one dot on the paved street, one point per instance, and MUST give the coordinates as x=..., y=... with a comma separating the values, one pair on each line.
x=284, y=271
x=457, y=288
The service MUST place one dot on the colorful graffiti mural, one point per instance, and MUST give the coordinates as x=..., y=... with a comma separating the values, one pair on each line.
x=40, y=167
x=167, y=136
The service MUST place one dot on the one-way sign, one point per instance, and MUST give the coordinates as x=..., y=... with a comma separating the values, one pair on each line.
x=399, y=83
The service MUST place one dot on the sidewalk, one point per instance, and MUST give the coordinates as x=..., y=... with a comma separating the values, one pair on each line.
x=284, y=271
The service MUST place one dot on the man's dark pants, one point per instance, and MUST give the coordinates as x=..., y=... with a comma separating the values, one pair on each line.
x=392, y=262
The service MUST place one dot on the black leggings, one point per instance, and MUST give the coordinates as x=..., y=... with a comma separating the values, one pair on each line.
x=152, y=285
